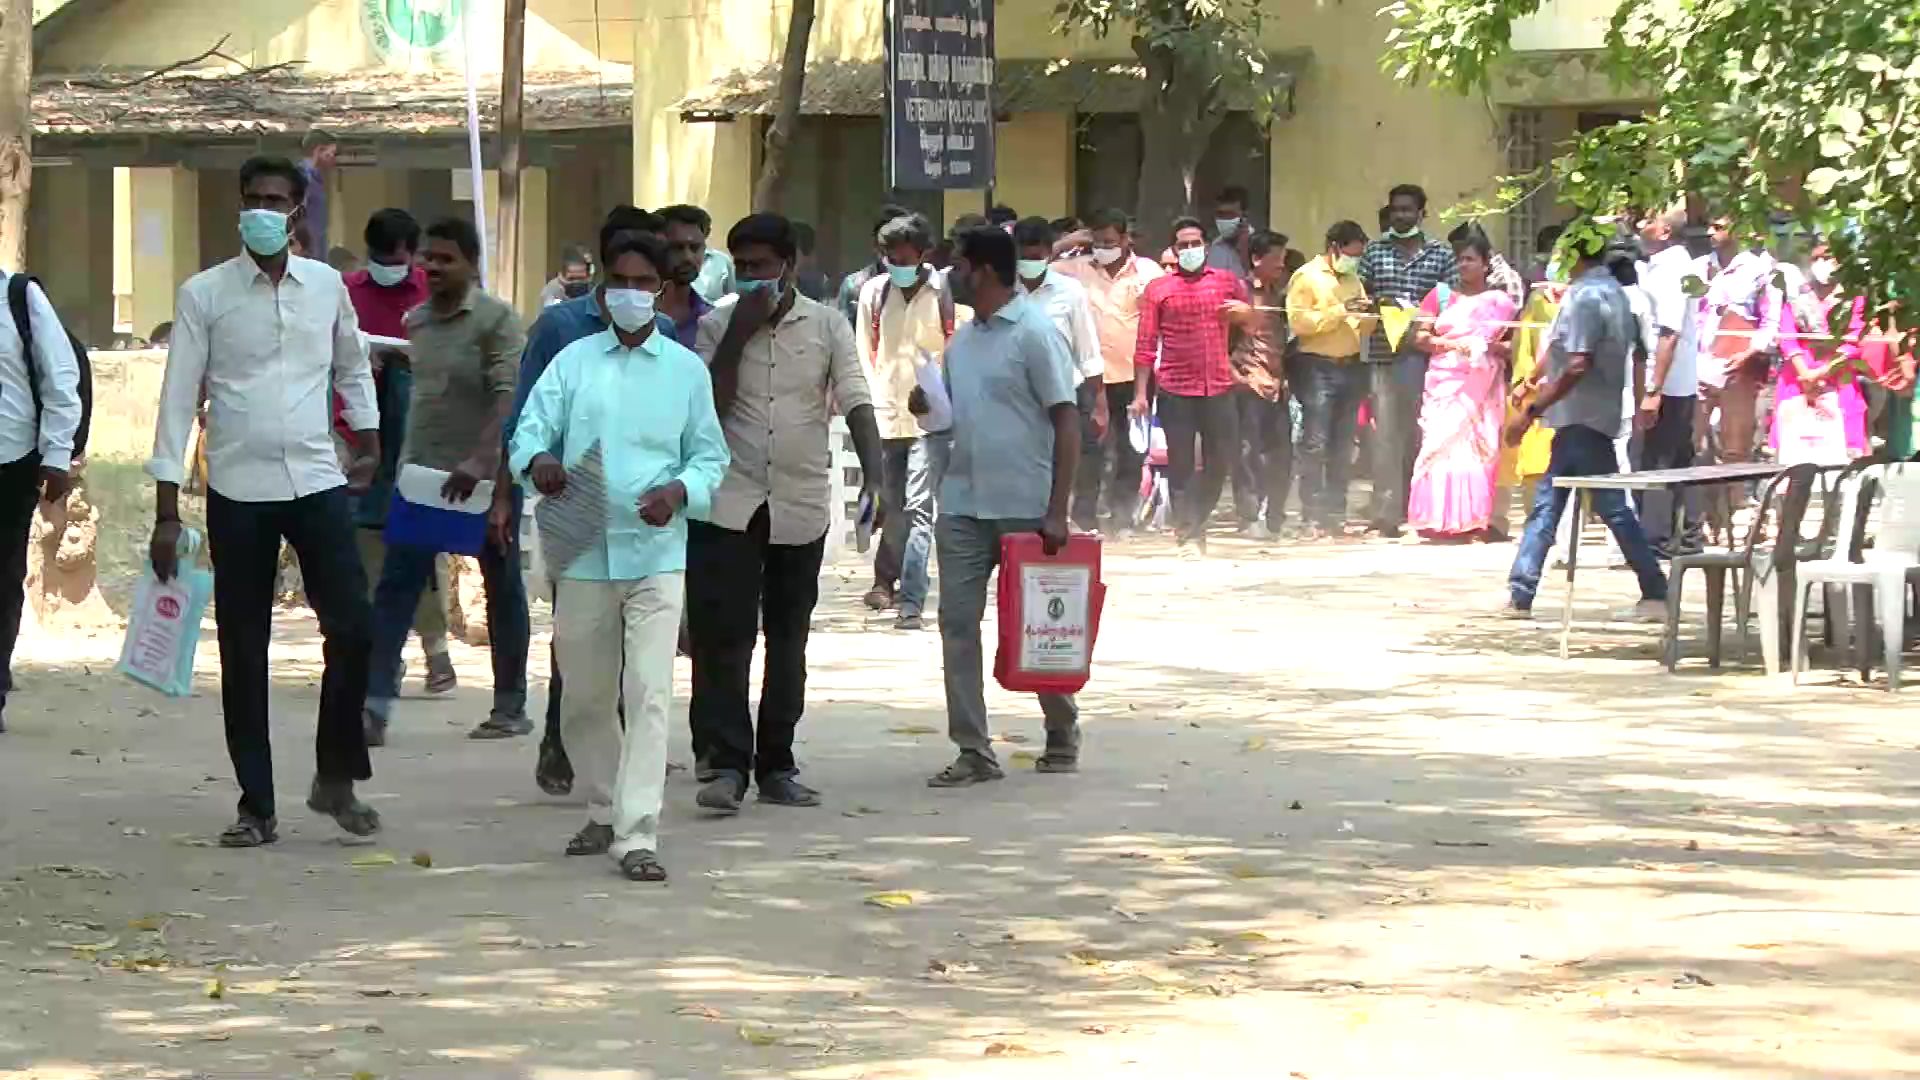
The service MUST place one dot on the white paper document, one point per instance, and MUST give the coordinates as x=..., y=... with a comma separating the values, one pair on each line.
x=381, y=341
x=933, y=382
x=420, y=486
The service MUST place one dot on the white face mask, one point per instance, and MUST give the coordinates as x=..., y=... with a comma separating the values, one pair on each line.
x=630, y=309
x=1030, y=269
x=1822, y=270
x=388, y=275
x=1107, y=256
x=1191, y=259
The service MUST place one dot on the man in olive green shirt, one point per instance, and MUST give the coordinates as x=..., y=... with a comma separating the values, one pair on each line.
x=466, y=348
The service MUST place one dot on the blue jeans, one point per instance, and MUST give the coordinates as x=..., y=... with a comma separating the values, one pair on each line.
x=1582, y=451
x=405, y=574
x=1329, y=392
x=926, y=465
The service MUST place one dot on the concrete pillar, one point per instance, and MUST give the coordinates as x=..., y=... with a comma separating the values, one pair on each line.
x=672, y=162
x=70, y=246
x=166, y=240
x=219, y=199
x=535, y=213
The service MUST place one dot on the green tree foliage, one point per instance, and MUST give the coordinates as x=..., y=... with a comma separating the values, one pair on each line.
x=1199, y=56
x=1806, y=106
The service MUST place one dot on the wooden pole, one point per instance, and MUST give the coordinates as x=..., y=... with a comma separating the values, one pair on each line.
x=506, y=270
x=16, y=129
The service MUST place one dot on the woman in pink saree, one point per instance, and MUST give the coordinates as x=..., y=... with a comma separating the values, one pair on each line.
x=1820, y=411
x=1465, y=331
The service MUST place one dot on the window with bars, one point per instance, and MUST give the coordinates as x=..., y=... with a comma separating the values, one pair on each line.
x=1526, y=151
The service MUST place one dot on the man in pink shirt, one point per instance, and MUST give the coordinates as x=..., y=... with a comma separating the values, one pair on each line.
x=1184, y=319
x=1116, y=280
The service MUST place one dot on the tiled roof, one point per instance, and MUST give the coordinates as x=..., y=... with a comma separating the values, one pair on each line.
x=356, y=103
x=858, y=88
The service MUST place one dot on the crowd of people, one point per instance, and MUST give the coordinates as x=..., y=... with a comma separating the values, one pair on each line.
x=671, y=407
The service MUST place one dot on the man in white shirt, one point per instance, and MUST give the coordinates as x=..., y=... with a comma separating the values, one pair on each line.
x=902, y=313
x=1067, y=305
x=39, y=415
x=273, y=337
x=1740, y=314
x=1671, y=396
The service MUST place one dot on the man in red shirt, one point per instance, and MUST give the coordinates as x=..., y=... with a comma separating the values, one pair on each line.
x=1184, y=319
x=382, y=293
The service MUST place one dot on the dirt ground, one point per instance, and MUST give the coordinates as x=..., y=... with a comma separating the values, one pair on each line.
x=1334, y=822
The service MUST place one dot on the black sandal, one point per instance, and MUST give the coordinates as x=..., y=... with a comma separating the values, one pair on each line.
x=249, y=831
x=335, y=799
x=592, y=840
x=642, y=866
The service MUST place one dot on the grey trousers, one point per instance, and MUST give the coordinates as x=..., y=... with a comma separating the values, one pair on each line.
x=969, y=549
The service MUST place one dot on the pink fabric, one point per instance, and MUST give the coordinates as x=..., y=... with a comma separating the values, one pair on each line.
x=1460, y=416
x=1852, y=401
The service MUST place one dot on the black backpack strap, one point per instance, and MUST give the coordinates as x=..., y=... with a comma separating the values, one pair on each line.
x=23, y=322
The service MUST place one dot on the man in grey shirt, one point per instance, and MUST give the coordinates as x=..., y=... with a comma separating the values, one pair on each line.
x=1015, y=443
x=1586, y=376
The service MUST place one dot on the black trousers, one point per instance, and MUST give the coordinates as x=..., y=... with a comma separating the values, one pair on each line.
x=245, y=538
x=738, y=583
x=1668, y=444
x=1121, y=478
x=1215, y=421
x=1264, y=468
x=19, y=491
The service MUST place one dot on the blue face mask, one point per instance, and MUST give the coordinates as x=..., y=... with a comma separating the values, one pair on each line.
x=387, y=275
x=774, y=287
x=903, y=277
x=263, y=231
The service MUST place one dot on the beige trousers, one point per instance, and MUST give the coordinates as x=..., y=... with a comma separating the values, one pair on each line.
x=615, y=641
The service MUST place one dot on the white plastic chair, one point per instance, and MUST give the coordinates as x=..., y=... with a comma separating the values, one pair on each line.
x=1885, y=569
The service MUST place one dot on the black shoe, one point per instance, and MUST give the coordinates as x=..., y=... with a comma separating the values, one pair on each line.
x=502, y=726
x=553, y=772
x=723, y=794
x=376, y=728
x=781, y=789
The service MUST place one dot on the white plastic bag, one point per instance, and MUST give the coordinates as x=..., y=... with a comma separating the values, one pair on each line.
x=163, y=627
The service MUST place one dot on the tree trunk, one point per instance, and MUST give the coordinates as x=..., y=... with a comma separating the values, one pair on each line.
x=16, y=131
x=506, y=267
x=1175, y=129
x=768, y=190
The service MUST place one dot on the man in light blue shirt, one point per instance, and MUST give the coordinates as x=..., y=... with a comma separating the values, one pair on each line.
x=715, y=278
x=621, y=437
x=1015, y=446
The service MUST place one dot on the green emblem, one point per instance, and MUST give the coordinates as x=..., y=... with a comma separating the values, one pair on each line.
x=411, y=24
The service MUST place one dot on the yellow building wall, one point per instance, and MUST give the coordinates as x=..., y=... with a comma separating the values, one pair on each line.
x=165, y=206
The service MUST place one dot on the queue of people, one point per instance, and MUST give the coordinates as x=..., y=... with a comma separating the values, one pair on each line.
x=671, y=407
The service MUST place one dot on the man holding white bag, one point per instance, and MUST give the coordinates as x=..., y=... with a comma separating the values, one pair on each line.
x=274, y=336
x=466, y=355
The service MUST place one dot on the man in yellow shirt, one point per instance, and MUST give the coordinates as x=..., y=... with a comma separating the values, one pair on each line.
x=1328, y=309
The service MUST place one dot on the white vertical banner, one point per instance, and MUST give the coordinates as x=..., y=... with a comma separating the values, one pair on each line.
x=473, y=140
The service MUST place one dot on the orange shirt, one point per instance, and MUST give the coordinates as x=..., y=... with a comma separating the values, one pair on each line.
x=1115, y=299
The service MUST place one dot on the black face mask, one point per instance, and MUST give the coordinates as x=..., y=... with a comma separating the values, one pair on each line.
x=576, y=289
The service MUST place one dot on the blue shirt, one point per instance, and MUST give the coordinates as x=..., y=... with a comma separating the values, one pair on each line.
x=1595, y=319
x=648, y=412
x=559, y=326
x=1004, y=373
x=716, y=275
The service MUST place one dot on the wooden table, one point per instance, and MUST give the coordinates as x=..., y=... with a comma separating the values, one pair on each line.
x=1672, y=480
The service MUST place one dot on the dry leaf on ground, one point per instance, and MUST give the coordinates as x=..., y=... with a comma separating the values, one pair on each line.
x=378, y=858
x=890, y=900
x=704, y=1012
x=914, y=729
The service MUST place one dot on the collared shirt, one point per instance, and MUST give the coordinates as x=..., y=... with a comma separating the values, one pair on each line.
x=648, y=412
x=382, y=309
x=1501, y=275
x=687, y=331
x=790, y=375
x=1180, y=324
x=1064, y=300
x=1224, y=254
x=1391, y=275
x=715, y=279
x=49, y=429
x=271, y=358
x=1115, y=300
x=891, y=331
x=1004, y=373
x=1664, y=279
x=1318, y=314
x=558, y=327
x=1744, y=286
x=1260, y=349
x=463, y=364
x=1596, y=319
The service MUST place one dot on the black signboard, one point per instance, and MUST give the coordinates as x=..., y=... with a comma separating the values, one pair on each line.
x=940, y=93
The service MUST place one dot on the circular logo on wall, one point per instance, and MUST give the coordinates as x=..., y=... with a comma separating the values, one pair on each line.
x=402, y=26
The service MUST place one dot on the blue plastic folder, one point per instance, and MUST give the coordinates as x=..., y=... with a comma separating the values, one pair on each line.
x=420, y=517
x=163, y=627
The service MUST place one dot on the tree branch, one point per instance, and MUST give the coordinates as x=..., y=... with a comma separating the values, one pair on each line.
x=212, y=53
